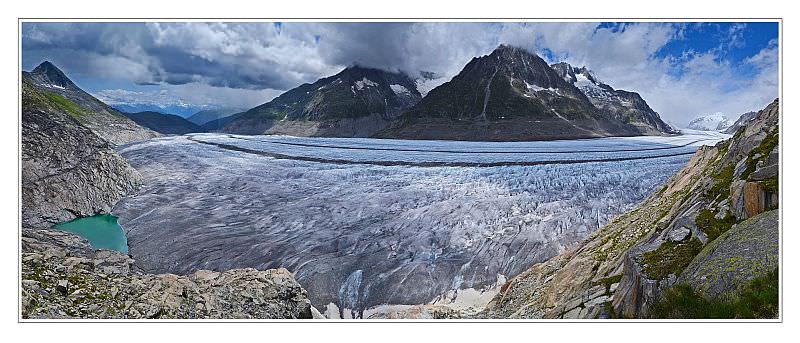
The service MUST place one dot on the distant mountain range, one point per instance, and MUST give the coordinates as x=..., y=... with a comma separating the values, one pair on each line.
x=205, y=116
x=183, y=111
x=356, y=102
x=164, y=123
x=711, y=122
x=510, y=94
x=62, y=93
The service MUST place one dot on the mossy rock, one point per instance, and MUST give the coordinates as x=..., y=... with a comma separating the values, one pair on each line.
x=747, y=250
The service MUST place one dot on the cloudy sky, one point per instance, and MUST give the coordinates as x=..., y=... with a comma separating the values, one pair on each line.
x=681, y=69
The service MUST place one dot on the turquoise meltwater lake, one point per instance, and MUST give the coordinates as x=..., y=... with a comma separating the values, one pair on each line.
x=102, y=231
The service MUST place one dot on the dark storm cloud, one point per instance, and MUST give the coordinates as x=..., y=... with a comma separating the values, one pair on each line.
x=147, y=53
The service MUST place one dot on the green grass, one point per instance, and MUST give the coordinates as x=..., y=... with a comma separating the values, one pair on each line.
x=670, y=258
x=713, y=227
x=771, y=184
x=756, y=299
x=766, y=146
x=607, y=282
x=66, y=105
x=722, y=184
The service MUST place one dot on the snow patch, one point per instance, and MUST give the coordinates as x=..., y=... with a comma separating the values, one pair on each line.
x=364, y=82
x=535, y=88
x=54, y=86
x=400, y=90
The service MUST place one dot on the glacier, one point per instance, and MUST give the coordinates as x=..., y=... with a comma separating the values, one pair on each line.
x=366, y=222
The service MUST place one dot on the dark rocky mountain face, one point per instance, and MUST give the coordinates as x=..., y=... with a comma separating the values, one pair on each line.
x=355, y=102
x=627, y=107
x=164, y=123
x=67, y=170
x=509, y=94
x=103, y=120
x=742, y=121
x=48, y=75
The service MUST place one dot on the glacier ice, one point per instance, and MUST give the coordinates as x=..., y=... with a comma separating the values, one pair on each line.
x=366, y=235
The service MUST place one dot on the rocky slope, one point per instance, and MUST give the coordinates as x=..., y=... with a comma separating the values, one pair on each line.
x=103, y=120
x=509, y=94
x=67, y=170
x=62, y=277
x=356, y=102
x=743, y=119
x=627, y=107
x=163, y=123
x=679, y=234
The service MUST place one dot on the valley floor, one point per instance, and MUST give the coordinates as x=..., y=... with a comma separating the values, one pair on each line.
x=365, y=222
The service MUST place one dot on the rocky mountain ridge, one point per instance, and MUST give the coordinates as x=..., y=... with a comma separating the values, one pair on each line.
x=627, y=107
x=743, y=119
x=509, y=94
x=356, y=102
x=92, y=113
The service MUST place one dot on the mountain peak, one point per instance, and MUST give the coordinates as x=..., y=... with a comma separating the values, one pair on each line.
x=49, y=75
x=356, y=70
x=711, y=122
x=510, y=51
x=569, y=72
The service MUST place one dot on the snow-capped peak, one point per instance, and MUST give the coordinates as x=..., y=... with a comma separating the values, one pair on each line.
x=585, y=82
x=711, y=122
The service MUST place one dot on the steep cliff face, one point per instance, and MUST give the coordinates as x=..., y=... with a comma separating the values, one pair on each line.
x=623, y=269
x=62, y=277
x=67, y=170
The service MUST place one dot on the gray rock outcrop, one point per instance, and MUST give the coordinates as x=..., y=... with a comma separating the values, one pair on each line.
x=63, y=278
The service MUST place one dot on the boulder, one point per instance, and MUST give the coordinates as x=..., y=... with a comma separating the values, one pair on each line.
x=679, y=234
x=764, y=173
x=748, y=250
